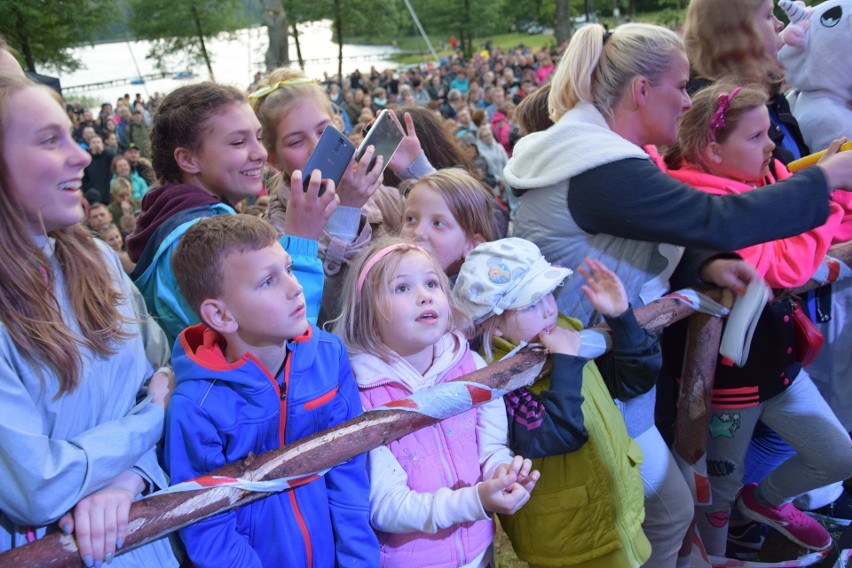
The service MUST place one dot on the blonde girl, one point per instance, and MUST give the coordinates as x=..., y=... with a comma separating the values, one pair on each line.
x=433, y=491
x=293, y=111
x=449, y=213
x=591, y=508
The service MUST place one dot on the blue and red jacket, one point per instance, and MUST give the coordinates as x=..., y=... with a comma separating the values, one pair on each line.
x=222, y=411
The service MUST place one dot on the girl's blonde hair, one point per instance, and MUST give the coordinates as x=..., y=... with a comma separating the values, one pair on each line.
x=722, y=40
x=695, y=131
x=290, y=86
x=485, y=332
x=471, y=204
x=598, y=65
x=358, y=322
x=30, y=311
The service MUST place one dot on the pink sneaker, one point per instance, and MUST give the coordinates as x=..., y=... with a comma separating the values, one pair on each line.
x=786, y=519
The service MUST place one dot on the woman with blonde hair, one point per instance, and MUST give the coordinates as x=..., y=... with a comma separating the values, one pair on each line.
x=589, y=188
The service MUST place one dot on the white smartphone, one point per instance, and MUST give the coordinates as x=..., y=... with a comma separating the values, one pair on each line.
x=385, y=136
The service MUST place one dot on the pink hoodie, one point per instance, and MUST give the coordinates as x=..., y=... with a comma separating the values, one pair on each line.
x=784, y=263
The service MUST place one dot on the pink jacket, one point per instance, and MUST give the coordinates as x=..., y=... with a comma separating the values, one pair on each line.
x=443, y=456
x=784, y=263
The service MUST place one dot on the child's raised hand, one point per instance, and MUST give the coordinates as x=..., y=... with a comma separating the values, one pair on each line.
x=99, y=521
x=308, y=211
x=510, y=488
x=560, y=340
x=358, y=183
x=408, y=149
x=603, y=288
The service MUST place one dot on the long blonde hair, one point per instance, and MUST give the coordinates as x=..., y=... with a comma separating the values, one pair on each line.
x=30, y=309
x=598, y=65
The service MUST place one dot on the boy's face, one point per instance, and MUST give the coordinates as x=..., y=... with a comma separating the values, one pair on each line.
x=525, y=325
x=262, y=296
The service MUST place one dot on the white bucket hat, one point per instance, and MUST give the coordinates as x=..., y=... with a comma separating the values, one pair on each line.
x=508, y=274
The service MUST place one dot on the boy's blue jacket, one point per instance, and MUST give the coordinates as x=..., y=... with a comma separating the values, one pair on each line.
x=221, y=411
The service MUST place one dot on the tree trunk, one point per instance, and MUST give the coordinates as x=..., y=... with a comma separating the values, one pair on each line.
x=200, y=32
x=275, y=19
x=298, y=46
x=338, y=29
x=562, y=29
x=26, y=48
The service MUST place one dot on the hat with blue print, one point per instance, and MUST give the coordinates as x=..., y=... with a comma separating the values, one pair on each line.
x=509, y=274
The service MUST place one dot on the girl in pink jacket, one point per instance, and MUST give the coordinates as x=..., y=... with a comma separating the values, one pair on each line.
x=724, y=147
x=433, y=492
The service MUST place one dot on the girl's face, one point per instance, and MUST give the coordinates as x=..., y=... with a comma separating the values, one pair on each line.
x=230, y=161
x=113, y=239
x=297, y=133
x=419, y=309
x=526, y=324
x=122, y=168
x=769, y=27
x=428, y=221
x=746, y=153
x=45, y=165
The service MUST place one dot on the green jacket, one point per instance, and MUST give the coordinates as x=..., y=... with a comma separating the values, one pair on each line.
x=588, y=506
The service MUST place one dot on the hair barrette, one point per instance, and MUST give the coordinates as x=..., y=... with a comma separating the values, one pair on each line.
x=717, y=121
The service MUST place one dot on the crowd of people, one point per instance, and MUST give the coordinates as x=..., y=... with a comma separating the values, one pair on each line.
x=171, y=304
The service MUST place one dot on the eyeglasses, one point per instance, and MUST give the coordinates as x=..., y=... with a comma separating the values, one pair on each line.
x=264, y=91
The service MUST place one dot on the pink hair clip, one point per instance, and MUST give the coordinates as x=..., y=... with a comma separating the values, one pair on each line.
x=717, y=121
x=371, y=262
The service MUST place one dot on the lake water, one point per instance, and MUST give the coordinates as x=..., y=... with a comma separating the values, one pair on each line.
x=234, y=62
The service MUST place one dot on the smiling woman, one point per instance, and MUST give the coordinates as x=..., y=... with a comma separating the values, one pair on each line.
x=75, y=343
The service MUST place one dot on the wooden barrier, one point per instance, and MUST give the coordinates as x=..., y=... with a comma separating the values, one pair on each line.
x=159, y=515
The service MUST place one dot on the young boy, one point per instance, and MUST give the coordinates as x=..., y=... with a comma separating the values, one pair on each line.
x=252, y=377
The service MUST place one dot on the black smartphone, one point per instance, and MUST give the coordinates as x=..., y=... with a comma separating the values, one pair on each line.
x=385, y=136
x=331, y=157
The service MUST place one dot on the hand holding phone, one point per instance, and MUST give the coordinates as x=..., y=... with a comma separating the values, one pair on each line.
x=385, y=136
x=331, y=157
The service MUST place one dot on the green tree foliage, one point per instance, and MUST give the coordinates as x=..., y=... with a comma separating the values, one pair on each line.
x=180, y=28
x=350, y=18
x=465, y=19
x=43, y=31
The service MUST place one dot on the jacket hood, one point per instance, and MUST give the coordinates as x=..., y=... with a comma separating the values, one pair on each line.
x=371, y=371
x=579, y=141
x=159, y=205
x=199, y=353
